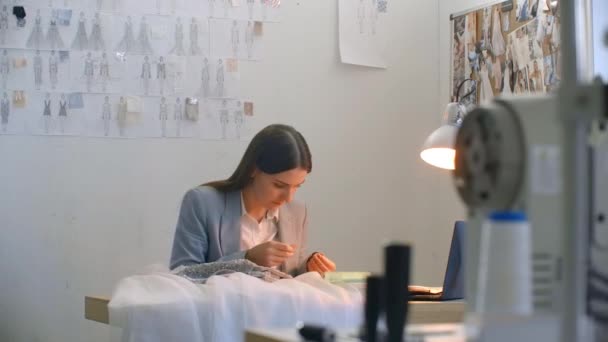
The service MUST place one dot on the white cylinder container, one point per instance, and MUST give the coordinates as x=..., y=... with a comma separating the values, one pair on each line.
x=505, y=267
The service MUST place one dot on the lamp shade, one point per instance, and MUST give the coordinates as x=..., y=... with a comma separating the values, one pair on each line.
x=438, y=149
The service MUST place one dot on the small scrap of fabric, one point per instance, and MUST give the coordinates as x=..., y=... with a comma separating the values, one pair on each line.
x=200, y=273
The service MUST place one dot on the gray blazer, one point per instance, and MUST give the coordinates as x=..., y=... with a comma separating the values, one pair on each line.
x=209, y=229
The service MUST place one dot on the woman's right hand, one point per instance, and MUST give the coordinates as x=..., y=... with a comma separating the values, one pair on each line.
x=271, y=253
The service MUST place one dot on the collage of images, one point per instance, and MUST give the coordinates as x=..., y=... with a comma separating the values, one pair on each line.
x=509, y=48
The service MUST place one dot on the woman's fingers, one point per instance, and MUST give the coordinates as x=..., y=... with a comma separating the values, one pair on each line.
x=329, y=265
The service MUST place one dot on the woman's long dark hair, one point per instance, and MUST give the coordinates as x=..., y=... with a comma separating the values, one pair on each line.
x=274, y=149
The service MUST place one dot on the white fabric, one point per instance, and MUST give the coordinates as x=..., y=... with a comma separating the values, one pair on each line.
x=160, y=307
x=254, y=233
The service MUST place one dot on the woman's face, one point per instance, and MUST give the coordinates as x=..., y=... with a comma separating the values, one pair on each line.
x=273, y=190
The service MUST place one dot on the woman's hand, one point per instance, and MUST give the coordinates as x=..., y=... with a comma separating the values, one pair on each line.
x=271, y=253
x=318, y=262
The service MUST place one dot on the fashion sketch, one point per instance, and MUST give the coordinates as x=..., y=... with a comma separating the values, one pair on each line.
x=162, y=116
x=5, y=111
x=127, y=43
x=249, y=36
x=178, y=47
x=146, y=74
x=81, y=40
x=373, y=15
x=53, y=69
x=361, y=16
x=5, y=68
x=53, y=38
x=486, y=92
x=37, y=70
x=224, y=118
x=250, y=5
x=205, y=77
x=235, y=39
x=178, y=116
x=104, y=71
x=121, y=116
x=3, y=24
x=106, y=115
x=89, y=71
x=498, y=42
x=194, y=48
x=227, y=6
x=36, y=37
x=264, y=6
x=238, y=119
x=211, y=7
x=219, y=77
x=161, y=74
x=143, y=38
x=46, y=113
x=63, y=113
x=96, y=41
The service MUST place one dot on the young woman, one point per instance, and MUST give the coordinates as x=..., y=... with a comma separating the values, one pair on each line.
x=251, y=214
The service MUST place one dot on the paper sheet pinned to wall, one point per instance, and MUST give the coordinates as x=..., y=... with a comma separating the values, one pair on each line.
x=363, y=32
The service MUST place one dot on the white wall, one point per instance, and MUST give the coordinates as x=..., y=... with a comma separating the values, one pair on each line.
x=76, y=215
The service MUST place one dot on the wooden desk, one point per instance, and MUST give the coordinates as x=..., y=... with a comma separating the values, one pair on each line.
x=96, y=309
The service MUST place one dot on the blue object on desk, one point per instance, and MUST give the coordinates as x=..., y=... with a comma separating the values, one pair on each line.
x=453, y=280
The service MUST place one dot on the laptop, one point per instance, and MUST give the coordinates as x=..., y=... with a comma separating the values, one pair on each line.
x=453, y=280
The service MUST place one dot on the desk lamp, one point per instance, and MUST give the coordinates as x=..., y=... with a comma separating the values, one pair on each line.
x=438, y=149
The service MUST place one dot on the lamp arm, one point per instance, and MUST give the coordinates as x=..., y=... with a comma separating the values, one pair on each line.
x=460, y=86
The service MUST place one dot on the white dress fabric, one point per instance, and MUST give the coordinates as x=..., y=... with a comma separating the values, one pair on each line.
x=161, y=306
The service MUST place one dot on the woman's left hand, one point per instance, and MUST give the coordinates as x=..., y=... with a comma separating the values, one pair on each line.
x=318, y=262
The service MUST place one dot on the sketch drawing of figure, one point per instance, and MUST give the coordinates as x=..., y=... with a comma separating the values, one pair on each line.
x=37, y=70
x=238, y=119
x=5, y=111
x=178, y=47
x=361, y=16
x=89, y=71
x=3, y=24
x=498, y=42
x=227, y=6
x=161, y=74
x=81, y=42
x=104, y=71
x=63, y=113
x=249, y=39
x=96, y=41
x=219, y=77
x=121, y=116
x=486, y=94
x=194, y=48
x=53, y=37
x=250, y=6
x=36, y=37
x=264, y=6
x=143, y=38
x=211, y=8
x=5, y=68
x=53, y=69
x=162, y=116
x=178, y=116
x=106, y=115
x=127, y=43
x=146, y=74
x=205, y=77
x=235, y=39
x=46, y=113
x=373, y=15
x=224, y=118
